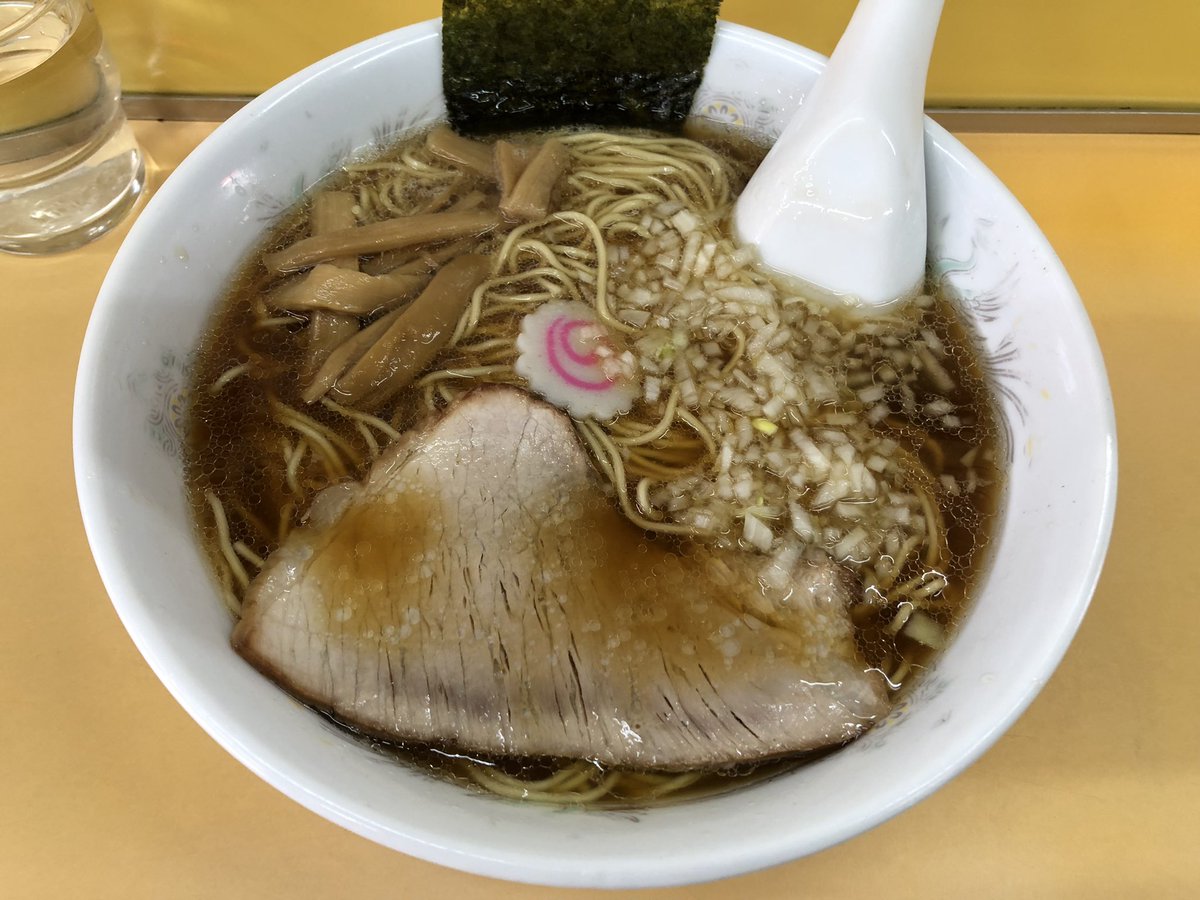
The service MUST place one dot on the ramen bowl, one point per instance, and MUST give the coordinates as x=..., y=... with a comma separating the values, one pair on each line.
x=1036, y=345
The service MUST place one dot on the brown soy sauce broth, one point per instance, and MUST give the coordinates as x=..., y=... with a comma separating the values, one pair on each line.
x=961, y=456
x=235, y=451
x=635, y=791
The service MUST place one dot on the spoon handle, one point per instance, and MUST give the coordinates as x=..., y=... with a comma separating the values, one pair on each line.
x=883, y=56
x=839, y=201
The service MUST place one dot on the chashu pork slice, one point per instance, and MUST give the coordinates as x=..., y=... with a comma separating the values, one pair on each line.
x=482, y=592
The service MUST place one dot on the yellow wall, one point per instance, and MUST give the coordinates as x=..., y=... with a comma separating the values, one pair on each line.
x=989, y=52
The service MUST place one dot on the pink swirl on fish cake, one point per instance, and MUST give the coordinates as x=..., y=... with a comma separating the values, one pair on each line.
x=569, y=357
x=558, y=339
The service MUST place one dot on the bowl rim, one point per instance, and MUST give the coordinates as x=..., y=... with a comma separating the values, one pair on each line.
x=737, y=858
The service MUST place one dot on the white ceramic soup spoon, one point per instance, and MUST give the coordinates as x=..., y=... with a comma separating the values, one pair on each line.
x=839, y=202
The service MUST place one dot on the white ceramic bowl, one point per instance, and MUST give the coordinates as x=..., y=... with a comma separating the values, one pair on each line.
x=130, y=398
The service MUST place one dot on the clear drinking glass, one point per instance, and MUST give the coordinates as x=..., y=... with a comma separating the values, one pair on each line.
x=69, y=166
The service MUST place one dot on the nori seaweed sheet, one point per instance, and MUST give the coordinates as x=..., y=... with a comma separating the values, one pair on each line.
x=521, y=64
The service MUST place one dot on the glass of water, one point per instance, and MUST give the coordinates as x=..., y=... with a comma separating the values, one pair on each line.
x=69, y=166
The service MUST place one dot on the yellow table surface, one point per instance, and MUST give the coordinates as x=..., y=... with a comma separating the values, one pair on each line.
x=110, y=790
x=1106, y=53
